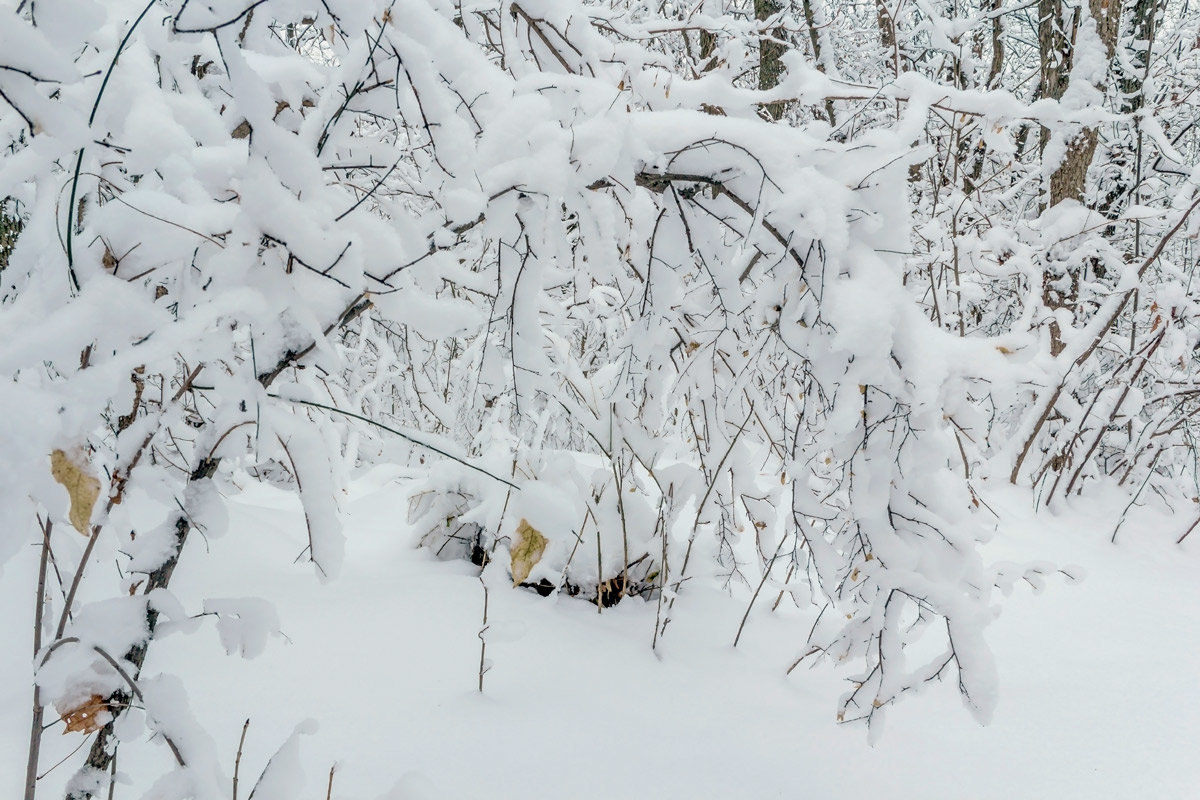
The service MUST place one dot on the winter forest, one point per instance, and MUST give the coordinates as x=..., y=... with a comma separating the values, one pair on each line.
x=433, y=398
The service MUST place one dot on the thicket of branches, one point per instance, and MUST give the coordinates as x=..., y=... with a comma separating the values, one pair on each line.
x=639, y=294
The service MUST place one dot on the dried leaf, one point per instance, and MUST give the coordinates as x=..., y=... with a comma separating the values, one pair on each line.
x=80, y=484
x=86, y=718
x=528, y=547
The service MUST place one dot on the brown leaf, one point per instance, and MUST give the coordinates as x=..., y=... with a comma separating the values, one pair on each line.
x=527, y=549
x=88, y=717
x=80, y=484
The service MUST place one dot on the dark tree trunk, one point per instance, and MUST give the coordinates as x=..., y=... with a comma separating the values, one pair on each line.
x=771, y=48
x=1058, y=28
x=810, y=20
x=1138, y=43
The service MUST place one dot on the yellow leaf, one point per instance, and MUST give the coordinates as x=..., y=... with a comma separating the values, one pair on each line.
x=528, y=547
x=80, y=484
x=1003, y=350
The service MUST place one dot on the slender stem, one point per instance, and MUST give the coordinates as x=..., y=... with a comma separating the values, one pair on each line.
x=75, y=580
x=482, y=631
x=1188, y=532
x=35, y=724
x=237, y=761
x=79, y=158
x=766, y=574
x=406, y=437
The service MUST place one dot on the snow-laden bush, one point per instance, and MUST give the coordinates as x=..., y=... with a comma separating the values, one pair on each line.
x=631, y=313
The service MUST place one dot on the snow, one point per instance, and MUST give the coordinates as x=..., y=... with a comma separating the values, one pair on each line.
x=568, y=287
x=1095, y=694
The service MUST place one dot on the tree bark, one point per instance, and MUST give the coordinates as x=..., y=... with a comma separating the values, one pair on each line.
x=887, y=35
x=997, y=65
x=770, y=54
x=810, y=20
x=1138, y=44
x=1058, y=29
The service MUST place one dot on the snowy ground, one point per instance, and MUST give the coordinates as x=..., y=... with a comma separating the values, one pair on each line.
x=1099, y=690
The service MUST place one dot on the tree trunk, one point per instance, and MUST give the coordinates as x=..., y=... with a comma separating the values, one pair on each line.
x=997, y=65
x=810, y=20
x=887, y=35
x=708, y=44
x=1058, y=28
x=1138, y=43
x=770, y=54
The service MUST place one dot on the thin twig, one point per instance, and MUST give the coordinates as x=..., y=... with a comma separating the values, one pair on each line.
x=237, y=761
x=401, y=434
x=79, y=158
x=38, y=713
x=482, y=640
x=1188, y=531
x=766, y=574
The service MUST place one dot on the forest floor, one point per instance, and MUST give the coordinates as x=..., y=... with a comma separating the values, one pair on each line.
x=1099, y=680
